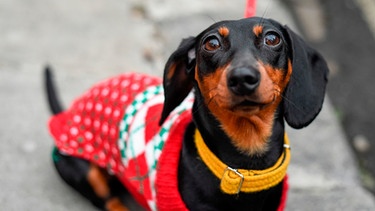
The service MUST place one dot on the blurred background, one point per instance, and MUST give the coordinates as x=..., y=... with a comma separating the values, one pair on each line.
x=344, y=32
x=86, y=41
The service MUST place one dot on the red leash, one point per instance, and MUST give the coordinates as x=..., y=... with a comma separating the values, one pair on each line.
x=250, y=8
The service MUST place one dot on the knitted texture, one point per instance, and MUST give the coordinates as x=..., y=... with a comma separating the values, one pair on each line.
x=115, y=125
x=284, y=194
x=234, y=181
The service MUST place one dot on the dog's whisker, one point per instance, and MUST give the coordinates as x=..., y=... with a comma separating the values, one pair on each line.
x=266, y=10
x=291, y=102
x=212, y=18
x=202, y=103
x=212, y=99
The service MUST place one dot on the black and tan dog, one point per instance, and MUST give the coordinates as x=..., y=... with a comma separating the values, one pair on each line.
x=248, y=76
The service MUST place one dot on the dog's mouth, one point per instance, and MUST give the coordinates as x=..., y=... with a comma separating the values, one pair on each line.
x=248, y=105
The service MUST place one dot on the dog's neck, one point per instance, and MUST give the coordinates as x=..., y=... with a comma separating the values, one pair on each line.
x=221, y=145
x=197, y=183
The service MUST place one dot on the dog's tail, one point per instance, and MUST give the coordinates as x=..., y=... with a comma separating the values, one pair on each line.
x=53, y=100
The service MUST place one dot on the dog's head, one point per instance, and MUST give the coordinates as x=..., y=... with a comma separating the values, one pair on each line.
x=245, y=70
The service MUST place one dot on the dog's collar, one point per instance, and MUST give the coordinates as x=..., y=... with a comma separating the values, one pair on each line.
x=234, y=181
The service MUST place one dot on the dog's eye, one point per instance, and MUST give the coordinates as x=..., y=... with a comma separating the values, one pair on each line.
x=211, y=44
x=272, y=39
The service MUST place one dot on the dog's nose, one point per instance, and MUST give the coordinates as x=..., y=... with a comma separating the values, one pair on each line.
x=243, y=80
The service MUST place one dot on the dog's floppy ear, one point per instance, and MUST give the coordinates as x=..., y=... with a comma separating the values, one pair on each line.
x=305, y=91
x=177, y=80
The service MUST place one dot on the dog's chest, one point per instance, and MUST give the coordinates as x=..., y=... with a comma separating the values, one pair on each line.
x=115, y=125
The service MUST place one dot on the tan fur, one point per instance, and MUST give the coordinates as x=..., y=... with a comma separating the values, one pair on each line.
x=224, y=31
x=258, y=30
x=249, y=128
x=114, y=204
x=98, y=181
x=171, y=71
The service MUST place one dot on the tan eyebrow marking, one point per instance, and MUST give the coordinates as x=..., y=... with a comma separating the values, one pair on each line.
x=223, y=31
x=258, y=30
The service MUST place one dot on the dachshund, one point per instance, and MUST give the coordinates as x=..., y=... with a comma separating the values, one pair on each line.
x=208, y=136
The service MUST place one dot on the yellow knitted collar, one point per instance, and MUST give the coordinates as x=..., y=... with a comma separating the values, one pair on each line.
x=234, y=181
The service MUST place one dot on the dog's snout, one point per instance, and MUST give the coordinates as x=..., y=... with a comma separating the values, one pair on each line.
x=243, y=81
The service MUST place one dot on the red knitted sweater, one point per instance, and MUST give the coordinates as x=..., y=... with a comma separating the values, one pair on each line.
x=115, y=125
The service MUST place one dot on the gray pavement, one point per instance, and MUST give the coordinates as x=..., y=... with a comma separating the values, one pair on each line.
x=87, y=41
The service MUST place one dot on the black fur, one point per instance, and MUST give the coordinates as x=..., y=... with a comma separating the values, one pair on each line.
x=53, y=101
x=306, y=88
x=303, y=96
x=303, y=100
